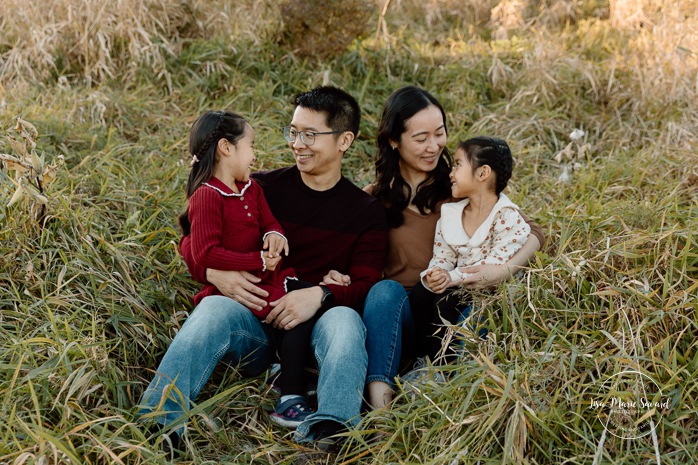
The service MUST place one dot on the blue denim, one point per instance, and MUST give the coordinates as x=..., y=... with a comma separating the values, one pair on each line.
x=220, y=328
x=389, y=323
x=339, y=344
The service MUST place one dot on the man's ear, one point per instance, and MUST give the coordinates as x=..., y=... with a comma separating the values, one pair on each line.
x=345, y=140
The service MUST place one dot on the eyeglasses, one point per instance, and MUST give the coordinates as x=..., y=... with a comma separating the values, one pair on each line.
x=307, y=137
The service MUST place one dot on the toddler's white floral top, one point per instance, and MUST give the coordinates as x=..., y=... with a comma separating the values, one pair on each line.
x=497, y=239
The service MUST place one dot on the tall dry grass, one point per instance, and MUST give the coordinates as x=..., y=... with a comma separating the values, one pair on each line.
x=95, y=41
x=90, y=302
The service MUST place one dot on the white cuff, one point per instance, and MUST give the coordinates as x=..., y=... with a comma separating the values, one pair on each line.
x=459, y=274
x=264, y=238
x=264, y=262
x=423, y=278
x=455, y=275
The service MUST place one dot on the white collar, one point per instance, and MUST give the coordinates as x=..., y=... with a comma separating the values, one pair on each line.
x=230, y=194
x=452, y=221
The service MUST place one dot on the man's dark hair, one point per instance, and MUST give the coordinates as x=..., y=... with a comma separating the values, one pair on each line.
x=341, y=109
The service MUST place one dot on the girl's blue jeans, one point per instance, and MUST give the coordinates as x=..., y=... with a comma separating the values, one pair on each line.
x=220, y=328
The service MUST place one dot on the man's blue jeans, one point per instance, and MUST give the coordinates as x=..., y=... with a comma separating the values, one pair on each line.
x=223, y=329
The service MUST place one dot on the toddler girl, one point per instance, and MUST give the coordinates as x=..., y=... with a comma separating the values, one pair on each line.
x=484, y=228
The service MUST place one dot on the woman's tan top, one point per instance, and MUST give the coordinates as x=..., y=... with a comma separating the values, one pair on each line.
x=410, y=245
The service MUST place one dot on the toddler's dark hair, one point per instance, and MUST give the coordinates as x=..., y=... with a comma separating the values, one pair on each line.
x=493, y=152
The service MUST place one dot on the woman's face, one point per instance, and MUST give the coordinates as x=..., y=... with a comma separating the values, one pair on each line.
x=422, y=143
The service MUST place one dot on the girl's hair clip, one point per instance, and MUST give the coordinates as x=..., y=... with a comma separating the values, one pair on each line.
x=194, y=159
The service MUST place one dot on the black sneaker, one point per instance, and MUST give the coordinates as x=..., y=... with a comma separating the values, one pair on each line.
x=325, y=439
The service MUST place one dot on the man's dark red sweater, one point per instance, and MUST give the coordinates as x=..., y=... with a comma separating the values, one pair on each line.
x=341, y=229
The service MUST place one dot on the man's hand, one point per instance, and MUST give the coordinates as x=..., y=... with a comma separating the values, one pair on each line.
x=239, y=286
x=335, y=277
x=438, y=279
x=271, y=262
x=295, y=308
x=275, y=244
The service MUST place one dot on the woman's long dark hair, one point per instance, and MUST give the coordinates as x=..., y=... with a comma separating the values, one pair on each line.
x=391, y=188
x=205, y=133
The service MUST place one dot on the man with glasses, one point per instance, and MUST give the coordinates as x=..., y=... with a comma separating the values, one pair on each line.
x=331, y=225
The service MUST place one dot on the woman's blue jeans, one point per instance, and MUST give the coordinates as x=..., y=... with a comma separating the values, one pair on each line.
x=223, y=329
x=389, y=324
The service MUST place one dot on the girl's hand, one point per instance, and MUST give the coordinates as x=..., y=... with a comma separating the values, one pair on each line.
x=438, y=279
x=271, y=262
x=335, y=277
x=274, y=244
x=484, y=276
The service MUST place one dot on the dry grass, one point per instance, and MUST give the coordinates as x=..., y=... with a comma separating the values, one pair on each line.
x=90, y=301
x=96, y=41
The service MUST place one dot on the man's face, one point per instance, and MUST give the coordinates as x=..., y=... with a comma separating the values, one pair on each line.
x=324, y=156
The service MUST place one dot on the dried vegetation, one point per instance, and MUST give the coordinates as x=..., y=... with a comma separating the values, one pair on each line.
x=598, y=100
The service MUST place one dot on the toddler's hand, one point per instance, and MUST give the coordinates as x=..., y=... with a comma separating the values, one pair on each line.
x=438, y=279
x=274, y=244
x=335, y=277
x=271, y=262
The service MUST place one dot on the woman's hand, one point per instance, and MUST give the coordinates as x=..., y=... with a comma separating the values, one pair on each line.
x=239, y=286
x=275, y=244
x=484, y=276
x=335, y=277
x=488, y=276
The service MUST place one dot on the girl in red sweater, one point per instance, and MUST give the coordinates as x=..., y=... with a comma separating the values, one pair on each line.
x=232, y=229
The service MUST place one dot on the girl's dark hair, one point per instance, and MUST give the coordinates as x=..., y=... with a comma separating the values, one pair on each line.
x=205, y=133
x=391, y=189
x=493, y=152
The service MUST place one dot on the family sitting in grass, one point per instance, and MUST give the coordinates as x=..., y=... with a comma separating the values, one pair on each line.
x=375, y=280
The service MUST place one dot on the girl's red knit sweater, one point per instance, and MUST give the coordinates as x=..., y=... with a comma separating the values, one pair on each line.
x=227, y=233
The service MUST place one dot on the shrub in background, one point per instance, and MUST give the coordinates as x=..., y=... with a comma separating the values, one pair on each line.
x=323, y=29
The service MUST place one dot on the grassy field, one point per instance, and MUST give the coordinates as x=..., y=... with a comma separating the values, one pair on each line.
x=91, y=296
